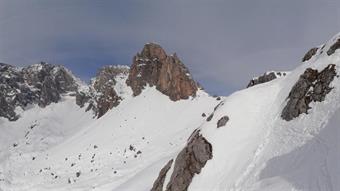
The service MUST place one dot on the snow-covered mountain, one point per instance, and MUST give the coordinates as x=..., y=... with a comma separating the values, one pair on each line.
x=152, y=127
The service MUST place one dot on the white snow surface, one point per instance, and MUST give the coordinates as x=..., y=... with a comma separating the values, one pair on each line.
x=126, y=148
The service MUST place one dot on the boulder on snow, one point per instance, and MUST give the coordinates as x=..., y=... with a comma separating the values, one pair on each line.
x=311, y=86
x=223, y=121
x=155, y=68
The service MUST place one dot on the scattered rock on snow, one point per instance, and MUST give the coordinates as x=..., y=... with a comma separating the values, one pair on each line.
x=222, y=122
x=210, y=117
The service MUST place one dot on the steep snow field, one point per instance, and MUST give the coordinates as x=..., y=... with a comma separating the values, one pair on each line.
x=105, y=152
x=257, y=150
x=61, y=147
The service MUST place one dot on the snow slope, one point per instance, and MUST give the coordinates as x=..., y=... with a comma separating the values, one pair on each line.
x=106, y=152
x=257, y=150
x=125, y=149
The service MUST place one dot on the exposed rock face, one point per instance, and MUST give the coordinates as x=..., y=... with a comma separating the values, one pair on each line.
x=50, y=80
x=269, y=76
x=333, y=48
x=189, y=162
x=39, y=84
x=102, y=95
x=222, y=122
x=311, y=86
x=158, y=184
x=310, y=54
x=155, y=68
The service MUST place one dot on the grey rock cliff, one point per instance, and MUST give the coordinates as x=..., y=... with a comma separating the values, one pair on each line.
x=312, y=86
x=102, y=95
x=40, y=84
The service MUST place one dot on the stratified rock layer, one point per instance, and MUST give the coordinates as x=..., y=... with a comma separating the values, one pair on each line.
x=311, y=86
x=155, y=68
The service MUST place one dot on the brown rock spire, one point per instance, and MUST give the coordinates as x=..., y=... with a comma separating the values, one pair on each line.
x=155, y=68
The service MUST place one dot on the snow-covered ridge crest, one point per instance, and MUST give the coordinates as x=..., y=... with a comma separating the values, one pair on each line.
x=257, y=149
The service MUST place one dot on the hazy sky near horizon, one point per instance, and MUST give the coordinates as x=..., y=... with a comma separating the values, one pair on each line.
x=223, y=43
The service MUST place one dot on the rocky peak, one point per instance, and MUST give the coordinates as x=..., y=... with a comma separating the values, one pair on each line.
x=154, y=67
x=40, y=84
x=62, y=78
x=153, y=51
x=102, y=95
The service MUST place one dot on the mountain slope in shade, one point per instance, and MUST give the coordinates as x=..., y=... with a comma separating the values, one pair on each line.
x=150, y=141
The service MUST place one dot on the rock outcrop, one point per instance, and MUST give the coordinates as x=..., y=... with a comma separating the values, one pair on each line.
x=312, y=86
x=333, y=48
x=310, y=54
x=154, y=67
x=266, y=77
x=102, y=95
x=40, y=84
x=50, y=80
x=189, y=162
x=159, y=183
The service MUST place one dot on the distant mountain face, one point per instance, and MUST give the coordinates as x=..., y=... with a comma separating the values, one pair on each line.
x=151, y=127
x=151, y=67
x=40, y=84
x=44, y=83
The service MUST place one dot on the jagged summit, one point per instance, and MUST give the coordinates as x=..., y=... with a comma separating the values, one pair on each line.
x=105, y=90
x=153, y=67
x=40, y=84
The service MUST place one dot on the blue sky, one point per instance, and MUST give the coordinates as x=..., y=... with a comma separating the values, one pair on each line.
x=223, y=43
